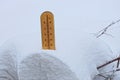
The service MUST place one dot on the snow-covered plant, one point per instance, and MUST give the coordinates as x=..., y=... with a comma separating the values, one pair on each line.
x=105, y=72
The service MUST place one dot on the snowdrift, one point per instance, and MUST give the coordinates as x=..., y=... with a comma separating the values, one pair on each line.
x=16, y=65
x=37, y=66
x=41, y=66
x=74, y=59
x=8, y=64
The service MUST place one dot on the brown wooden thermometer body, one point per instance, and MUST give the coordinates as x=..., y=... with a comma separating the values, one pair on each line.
x=47, y=30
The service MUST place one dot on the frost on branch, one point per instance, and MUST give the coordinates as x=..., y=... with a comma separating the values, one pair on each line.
x=104, y=30
x=110, y=70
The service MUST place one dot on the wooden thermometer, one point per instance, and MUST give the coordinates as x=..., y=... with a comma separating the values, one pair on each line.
x=47, y=30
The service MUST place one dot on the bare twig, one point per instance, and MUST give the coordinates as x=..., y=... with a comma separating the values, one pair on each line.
x=104, y=30
x=117, y=69
x=102, y=75
x=110, y=76
x=118, y=63
x=109, y=62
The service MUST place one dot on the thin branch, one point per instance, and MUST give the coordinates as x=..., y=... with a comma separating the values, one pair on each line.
x=109, y=71
x=102, y=76
x=109, y=76
x=109, y=62
x=117, y=69
x=118, y=63
x=104, y=30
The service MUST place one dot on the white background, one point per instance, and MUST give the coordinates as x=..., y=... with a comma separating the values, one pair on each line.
x=22, y=16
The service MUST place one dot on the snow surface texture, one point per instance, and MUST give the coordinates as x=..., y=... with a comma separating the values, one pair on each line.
x=34, y=66
x=82, y=55
x=8, y=68
x=44, y=67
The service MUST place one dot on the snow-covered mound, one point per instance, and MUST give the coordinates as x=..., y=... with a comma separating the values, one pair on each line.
x=8, y=64
x=18, y=64
x=41, y=66
x=81, y=54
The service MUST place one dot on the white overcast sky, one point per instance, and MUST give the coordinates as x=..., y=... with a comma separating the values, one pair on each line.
x=22, y=16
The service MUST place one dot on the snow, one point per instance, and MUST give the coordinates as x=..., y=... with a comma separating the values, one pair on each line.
x=8, y=64
x=44, y=67
x=80, y=52
x=76, y=58
x=20, y=64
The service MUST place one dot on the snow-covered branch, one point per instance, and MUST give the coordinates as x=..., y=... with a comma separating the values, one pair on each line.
x=109, y=62
x=104, y=30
